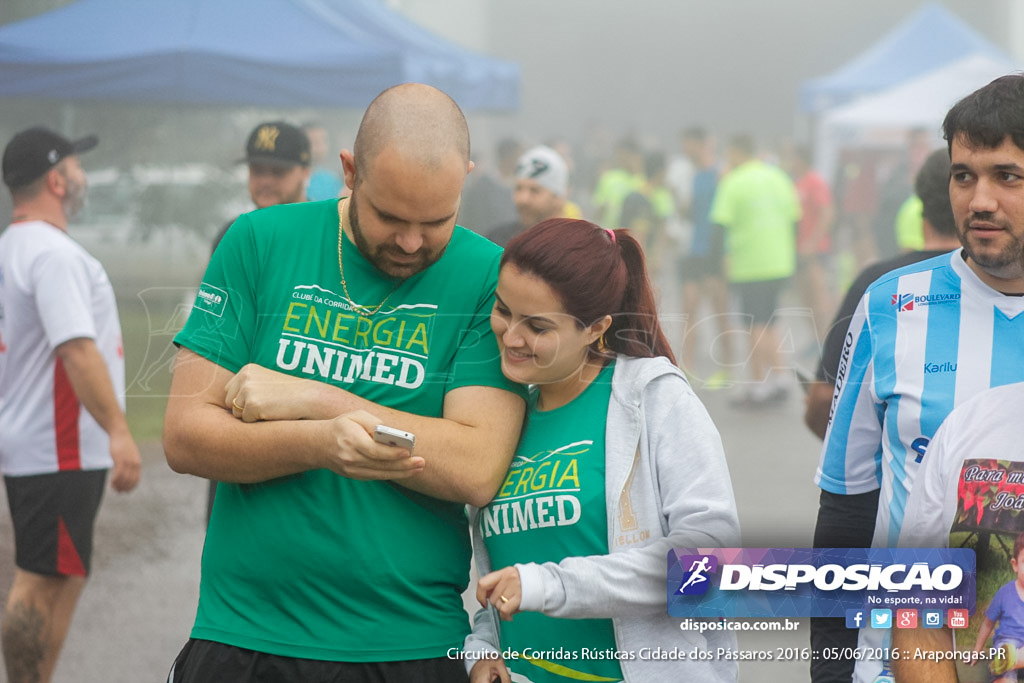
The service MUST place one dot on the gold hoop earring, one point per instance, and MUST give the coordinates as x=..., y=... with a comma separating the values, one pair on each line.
x=601, y=346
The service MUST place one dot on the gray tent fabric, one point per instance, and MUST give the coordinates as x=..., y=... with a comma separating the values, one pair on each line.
x=317, y=53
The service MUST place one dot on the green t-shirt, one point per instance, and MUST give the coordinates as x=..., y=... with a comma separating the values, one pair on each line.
x=758, y=206
x=662, y=201
x=613, y=187
x=910, y=225
x=315, y=565
x=552, y=506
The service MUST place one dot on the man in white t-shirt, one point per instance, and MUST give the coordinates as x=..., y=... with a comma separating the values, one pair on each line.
x=972, y=472
x=61, y=397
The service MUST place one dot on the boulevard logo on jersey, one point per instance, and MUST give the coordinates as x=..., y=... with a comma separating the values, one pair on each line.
x=816, y=582
x=907, y=302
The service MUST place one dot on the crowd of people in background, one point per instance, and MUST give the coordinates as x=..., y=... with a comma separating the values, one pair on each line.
x=568, y=366
x=727, y=273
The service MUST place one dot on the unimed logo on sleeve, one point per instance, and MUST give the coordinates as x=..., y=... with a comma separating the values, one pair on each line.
x=211, y=299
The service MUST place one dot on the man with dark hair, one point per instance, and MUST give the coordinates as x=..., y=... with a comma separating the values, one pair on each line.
x=487, y=204
x=60, y=352
x=330, y=556
x=849, y=520
x=929, y=336
x=757, y=206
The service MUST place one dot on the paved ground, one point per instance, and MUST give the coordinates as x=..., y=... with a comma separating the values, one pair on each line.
x=137, y=609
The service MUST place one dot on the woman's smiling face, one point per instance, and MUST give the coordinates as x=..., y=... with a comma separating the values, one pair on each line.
x=540, y=342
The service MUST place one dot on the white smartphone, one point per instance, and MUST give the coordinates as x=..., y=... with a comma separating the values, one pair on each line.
x=394, y=437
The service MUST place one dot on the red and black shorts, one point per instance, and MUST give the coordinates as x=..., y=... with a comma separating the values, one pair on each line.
x=53, y=517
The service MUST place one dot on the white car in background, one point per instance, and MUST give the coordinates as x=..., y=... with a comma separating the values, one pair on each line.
x=135, y=205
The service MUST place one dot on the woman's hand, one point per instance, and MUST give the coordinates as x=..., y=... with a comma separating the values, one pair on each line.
x=502, y=589
x=257, y=393
x=488, y=671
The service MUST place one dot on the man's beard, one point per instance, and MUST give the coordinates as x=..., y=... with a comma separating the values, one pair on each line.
x=995, y=263
x=378, y=255
x=74, y=198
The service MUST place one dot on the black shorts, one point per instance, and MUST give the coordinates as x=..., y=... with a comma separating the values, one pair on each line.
x=53, y=517
x=695, y=268
x=760, y=299
x=204, y=661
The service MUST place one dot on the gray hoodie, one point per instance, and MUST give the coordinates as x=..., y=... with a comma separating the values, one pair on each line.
x=666, y=486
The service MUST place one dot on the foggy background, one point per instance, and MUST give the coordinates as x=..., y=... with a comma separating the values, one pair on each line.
x=164, y=179
x=646, y=67
x=592, y=71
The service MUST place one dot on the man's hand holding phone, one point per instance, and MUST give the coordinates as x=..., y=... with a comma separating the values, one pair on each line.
x=357, y=455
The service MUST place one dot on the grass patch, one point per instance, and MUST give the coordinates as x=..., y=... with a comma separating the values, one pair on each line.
x=149, y=322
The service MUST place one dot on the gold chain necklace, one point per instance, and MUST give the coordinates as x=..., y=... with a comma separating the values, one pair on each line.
x=368, y=312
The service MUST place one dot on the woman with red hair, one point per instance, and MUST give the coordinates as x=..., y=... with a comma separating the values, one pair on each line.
x=618, y=463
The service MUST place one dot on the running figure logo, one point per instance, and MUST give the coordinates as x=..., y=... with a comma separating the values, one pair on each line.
x=696, y=580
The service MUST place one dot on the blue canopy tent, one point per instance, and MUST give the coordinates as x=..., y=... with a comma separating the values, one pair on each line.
x=303, y=53
x=930, y=38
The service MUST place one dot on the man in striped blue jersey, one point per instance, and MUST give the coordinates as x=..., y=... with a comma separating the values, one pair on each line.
x=929, y=336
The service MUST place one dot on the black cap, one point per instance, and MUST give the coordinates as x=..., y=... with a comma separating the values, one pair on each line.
x=277, y=142
x=33, y=152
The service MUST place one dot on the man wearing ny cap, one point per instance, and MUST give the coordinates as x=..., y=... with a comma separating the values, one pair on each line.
x=61, y=397
x=279, y=159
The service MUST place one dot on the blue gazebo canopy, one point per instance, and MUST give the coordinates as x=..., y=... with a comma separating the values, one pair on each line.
x=303, y=53
x=930, y=38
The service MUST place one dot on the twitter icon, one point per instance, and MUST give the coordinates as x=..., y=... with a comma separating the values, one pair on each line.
x=881, y=618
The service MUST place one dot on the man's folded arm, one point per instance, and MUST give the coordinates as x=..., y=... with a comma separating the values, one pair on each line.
x=203, y=438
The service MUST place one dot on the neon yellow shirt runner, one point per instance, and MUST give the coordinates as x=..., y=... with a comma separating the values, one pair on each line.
x=758, y=206
x=910, y=225
x=552, y=506
x=316, y=565
x=613, y=187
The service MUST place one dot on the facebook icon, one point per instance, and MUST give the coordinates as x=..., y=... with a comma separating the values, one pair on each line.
x=854, y=618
